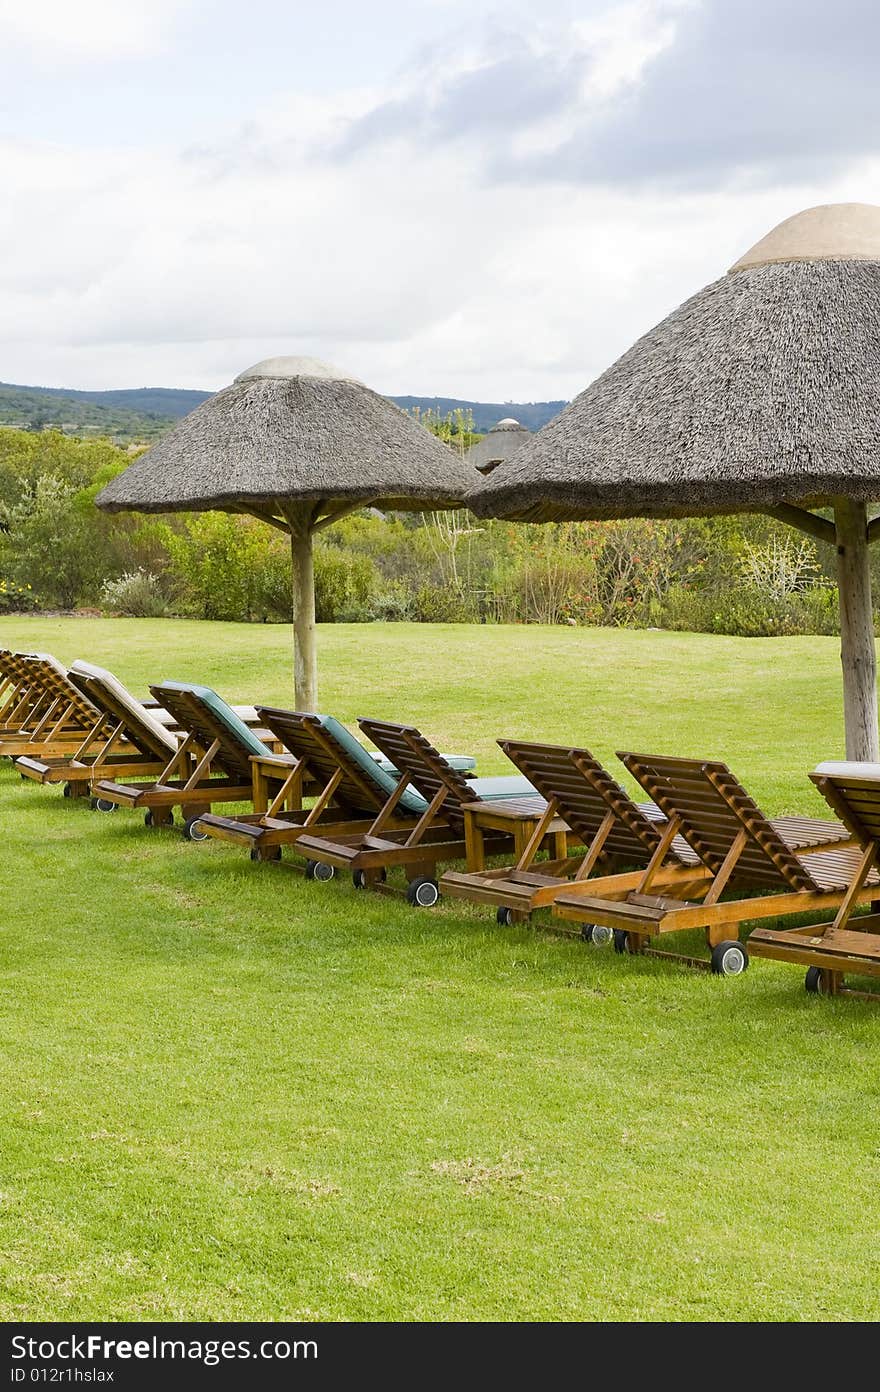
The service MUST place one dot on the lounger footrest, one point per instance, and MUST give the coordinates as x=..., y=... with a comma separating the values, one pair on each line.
x=834, y=950
x=37, y=769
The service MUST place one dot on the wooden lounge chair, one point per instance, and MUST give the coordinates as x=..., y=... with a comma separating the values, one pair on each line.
x=58, y=716
x=792, y=865
x=435, y=831
x=615, y=831
x=16, y=688
x=212, y=763
x=18, y=691
x=127, y=740
x=351, y=788
x=844, y=945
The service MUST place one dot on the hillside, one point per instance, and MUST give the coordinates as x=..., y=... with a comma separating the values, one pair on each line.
x=145, y=413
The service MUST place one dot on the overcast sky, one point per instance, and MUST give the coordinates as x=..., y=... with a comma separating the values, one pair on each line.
x=442, y=196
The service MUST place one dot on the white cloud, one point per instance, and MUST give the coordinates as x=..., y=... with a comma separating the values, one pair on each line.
x=402, y=262
x=88, y=29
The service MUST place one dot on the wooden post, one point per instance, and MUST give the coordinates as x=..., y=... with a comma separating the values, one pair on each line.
x=305, y=661
x=857, y=650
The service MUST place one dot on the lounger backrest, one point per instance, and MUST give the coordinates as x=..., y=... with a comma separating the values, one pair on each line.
x=418, y=760
x=328, y=747
x=140, y=728
x=201, y=712
x=714, y=808
x=49, y=674
x=853, y=791
x=586, y=793
x=14, y=669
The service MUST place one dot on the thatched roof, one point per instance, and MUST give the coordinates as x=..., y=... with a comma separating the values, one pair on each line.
x=292, y=429
x=503, y=440
x=762, y=389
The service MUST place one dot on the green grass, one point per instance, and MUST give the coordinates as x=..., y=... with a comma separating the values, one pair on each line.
x=229, y=1093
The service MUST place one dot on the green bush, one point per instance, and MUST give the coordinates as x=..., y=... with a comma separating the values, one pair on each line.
x=136, y=596
x=15, y=599
x=748, y=612
x=345, y=585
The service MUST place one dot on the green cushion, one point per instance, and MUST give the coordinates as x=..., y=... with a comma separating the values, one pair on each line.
x=462, y=763
x=225, y=714
x=507, y=786
x=411, y=801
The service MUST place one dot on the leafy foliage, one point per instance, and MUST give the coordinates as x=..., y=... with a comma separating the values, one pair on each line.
x=741, y=575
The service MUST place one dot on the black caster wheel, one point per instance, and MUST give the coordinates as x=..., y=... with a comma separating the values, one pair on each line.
x=148, y=818
x=813, y=981
x=597, y=935
x=621, y=941
x=504, y=916
x=102, y=805
x=67, y=791
x=271, y=853
x=359, y=878
x=194, y=831
x=317, y=870
x=422, y=893
x=729, y=959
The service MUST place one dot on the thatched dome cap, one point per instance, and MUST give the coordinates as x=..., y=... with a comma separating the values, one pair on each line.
x=503, y=440
x=292, y=429
x=763, y=388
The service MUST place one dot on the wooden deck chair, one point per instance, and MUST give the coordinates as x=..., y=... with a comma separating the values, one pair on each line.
x=843, y=945
x=212, y=763
x=127, y=740
x=613, y=829
x=436, y=795
x=350, y=788
x=59, y=718
x=789, y=866
x=24, y=692
x=13, y=683
x=18, y=690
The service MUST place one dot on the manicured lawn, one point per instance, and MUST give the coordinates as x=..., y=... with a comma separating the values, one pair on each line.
x=230, y=1093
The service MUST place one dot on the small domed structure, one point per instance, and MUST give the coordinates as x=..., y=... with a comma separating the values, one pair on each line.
x=502, y=441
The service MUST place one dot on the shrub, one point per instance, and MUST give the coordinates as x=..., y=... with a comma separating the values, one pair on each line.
x=15, y=599
x=345, y=583
x=136, y=596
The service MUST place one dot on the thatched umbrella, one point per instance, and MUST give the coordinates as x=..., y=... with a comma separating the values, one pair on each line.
x=759, y=394
x=502, y=441
x=299, y=445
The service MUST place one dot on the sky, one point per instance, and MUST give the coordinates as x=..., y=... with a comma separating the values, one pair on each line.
x=442, y=197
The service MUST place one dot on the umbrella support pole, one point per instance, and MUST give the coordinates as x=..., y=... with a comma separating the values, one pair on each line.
x=305, y=662
x=857, y=648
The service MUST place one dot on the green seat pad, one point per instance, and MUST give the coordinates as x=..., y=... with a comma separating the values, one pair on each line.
x=507, y=786
x=411, y=801
x=462, y=763
x=225, y=714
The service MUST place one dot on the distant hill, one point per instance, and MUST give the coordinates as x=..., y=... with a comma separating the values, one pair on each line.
x=145, y=413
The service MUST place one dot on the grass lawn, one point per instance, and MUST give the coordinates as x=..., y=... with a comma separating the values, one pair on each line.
x=229, y=1093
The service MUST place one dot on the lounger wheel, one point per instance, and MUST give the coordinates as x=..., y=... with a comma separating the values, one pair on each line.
x=359, y=877
x=318, y=870
x=193, y=830
x=103, y=805
x=729, y=959
x=150, y=820
x=67, y=790
x=504, y=916
x=814, y=981
x=621, y=940
x=266, y=853
x=423, y=893
x=597, y=934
